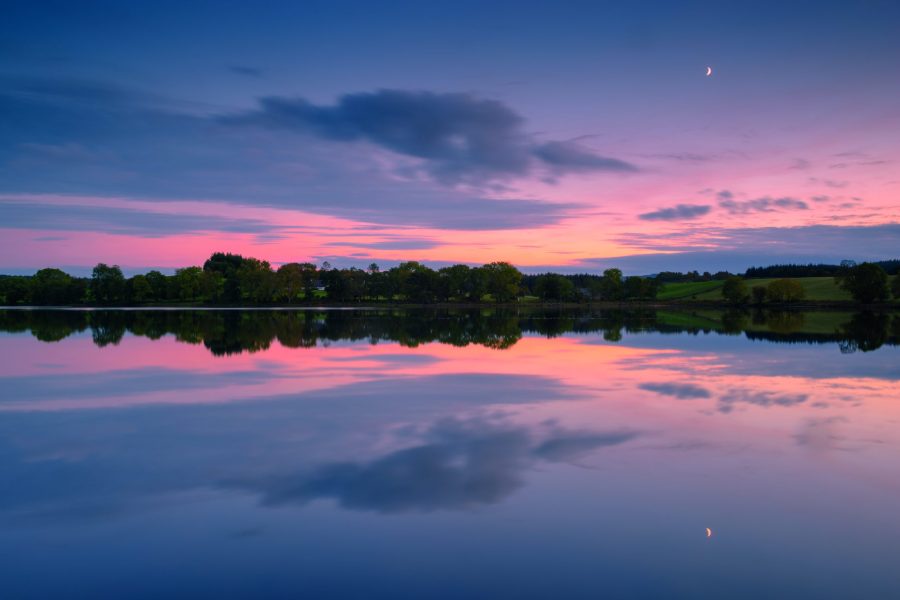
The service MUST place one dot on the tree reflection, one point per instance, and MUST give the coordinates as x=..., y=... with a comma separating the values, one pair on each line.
x=226, y=332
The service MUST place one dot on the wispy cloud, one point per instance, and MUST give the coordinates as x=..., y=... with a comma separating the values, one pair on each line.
x=743, y=207
x=682, y=391
x=679, y=212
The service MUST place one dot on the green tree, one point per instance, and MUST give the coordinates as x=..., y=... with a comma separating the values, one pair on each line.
x=189, y=283
x=227, y=265
x=895, y=286
x=108, y=285
x=289, y=282
x=159, y=284
x=310, y=279
x=140, y=289
x=256, y=281
x=503, y=281
x=734, y=290
x=785, y=290
x=345, y=285
x=554, y=288
x=610, y=287
x=15, y=289
x=866, y=282
x=461, y=282
x=415, y=281
x=640, y=288
x=212, y=286
x=52, y=286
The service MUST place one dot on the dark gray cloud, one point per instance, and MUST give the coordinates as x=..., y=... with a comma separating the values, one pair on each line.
x=743, y=207
x=571, y=156
x=677, y=213
x=460, y=137
x=88, y=138
x=682, y=391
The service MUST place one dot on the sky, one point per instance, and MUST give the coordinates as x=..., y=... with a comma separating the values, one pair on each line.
x=572, y=136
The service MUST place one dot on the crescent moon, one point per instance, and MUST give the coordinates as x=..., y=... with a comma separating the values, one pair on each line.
x=708, y=71
x=708, y=532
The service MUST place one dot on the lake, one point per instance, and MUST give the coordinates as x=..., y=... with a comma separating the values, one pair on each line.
x=449, y=454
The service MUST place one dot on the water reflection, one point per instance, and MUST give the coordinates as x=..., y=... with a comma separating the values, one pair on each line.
x=229, y=332
x=459, y=465
x=514, y=452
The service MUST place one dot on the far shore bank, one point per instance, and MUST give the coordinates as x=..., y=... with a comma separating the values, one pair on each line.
x=808, y=305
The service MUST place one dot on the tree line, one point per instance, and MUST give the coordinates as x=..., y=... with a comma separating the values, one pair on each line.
x=232, y=279
x=891, y=267
x=866, y=283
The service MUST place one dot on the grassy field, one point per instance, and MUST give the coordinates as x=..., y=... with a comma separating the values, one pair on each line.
x=677, y=291
x=816, y=288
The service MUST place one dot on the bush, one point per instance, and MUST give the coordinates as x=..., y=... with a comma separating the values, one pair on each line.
x=785, y=290
x=866, y=282
x=734, y=290
x=759, y=294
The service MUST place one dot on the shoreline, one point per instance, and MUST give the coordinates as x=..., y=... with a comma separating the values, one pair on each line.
x=638, y=305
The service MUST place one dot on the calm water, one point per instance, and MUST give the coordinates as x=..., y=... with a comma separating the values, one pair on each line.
x=479, y=454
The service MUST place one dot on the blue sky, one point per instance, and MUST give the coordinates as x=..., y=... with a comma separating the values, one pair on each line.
x=537, y=132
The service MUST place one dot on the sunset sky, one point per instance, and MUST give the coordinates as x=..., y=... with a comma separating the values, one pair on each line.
x=555, y=135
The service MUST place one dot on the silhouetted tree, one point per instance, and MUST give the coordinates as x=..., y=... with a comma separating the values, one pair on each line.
x=734, y=290
x=554, y=288
x=52, y=286
x=227, y=265
x=610, y=287
x=159, y=284
x=189, y=283
x=107, y=284
x=139, y=289
x=640, y=288
x=866, y=282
